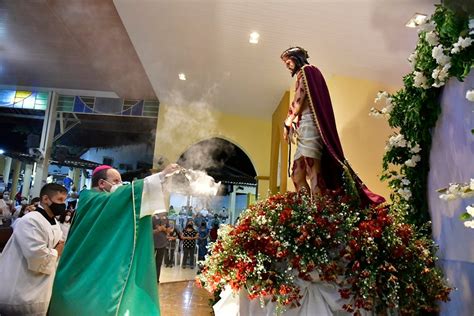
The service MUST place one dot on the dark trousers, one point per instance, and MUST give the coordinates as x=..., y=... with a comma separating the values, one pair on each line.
x=188, y=254
x=169, y=256
x=159, y=254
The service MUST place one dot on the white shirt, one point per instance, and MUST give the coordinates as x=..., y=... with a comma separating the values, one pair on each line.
x=28, y=266
x=204, y=212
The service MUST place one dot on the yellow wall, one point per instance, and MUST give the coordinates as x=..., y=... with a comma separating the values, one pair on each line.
x=179, y=127
x=363, y=137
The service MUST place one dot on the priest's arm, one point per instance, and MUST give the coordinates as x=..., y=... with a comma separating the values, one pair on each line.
x=153, y=200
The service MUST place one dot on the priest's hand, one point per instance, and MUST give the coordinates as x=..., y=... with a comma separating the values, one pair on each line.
x=171, y=168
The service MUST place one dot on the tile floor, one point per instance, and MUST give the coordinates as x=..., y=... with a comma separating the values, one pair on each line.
x=176, y=274
x=183, y=298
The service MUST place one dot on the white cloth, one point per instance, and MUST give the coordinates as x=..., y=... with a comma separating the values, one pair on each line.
x=28, y=266
x=319, y=298
x=153, y=201
x=65, y=229
x=309, y=142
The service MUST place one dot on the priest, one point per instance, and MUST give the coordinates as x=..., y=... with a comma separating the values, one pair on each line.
x=108, y=265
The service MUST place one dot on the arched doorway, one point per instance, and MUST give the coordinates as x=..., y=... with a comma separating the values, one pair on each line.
x=226, y=163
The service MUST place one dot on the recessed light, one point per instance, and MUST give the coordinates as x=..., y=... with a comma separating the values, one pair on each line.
x=254, y=36
x=182, y=76
x=416, y=19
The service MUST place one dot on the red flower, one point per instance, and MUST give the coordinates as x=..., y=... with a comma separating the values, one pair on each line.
x=345, y=293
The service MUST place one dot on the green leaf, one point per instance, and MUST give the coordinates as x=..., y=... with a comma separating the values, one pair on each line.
x=464, y=216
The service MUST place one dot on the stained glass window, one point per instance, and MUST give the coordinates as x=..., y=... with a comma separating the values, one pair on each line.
x=24, y=99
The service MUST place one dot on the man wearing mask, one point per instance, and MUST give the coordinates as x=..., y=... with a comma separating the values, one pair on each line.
x=108, y=266
x=28, y=262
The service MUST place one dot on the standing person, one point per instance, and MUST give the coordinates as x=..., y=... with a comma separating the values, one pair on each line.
x=173, y=236
x=28, y=262
x=202, y=241
x=160, y=236
x=108, y=267
x=310, y=118
x=213, y=232
x=189, y=236
x=65, y=223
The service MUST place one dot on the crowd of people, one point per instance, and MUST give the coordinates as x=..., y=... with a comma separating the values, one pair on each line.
x=180, y=237
x=11, y=210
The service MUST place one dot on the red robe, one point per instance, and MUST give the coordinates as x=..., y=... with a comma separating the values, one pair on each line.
x=333, y=162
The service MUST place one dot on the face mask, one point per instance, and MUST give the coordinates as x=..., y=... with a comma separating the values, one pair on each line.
x=6, y=197
x=67, y=218
x=58, y=209
x=24, y=202
x=115, y=187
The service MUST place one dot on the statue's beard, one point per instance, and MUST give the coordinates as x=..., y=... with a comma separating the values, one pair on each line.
x=295, y=71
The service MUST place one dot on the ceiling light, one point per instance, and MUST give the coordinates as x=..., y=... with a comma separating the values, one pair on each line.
x=2, y=151
x=254, y=36
x=182, y=76
x=416, y=20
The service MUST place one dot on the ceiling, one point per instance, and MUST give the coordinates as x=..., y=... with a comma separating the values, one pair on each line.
x=208, y=41
x=136, y=48
x=80, y=44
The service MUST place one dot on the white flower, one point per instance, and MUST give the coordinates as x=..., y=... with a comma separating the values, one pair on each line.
x=447, y=197
x=454, y=188
x=375, y=113
x=405, y=193
x=471, y=27
x=470, y=95
x=397, y=141
x=415, y=149
x=412, y=59
x=470, y=210
x=469, y=224
x=438, y=54
x=381, y=95
x=461, y=44
x=424, y=26
x=471, y=184
x=432, y=38
x=420, y=81
x=413, y=161
x=465, y=42
x=405, y=182
x=441, y=73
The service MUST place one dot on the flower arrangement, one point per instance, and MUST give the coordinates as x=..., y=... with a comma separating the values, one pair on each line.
x=461, y=191
x=445, y=49
x=376, y=260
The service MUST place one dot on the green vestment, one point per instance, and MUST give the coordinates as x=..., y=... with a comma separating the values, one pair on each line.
x=108, y=266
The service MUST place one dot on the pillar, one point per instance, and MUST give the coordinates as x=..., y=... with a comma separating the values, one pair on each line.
x=233, y=199
x=27, y=180
x=6, y=171
x=76, y=178
x=46, y=144
x=15, y=177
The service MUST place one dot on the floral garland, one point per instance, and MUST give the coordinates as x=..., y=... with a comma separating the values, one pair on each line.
x=377, y=261
x=461, y=191
x=444, y=50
